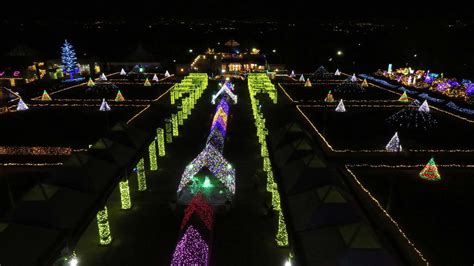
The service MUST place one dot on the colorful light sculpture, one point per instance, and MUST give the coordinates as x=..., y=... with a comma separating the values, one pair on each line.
x=155, y=78
x=430, y=171
x=302, y=79
x=213, y=160
x=354, y=78
x=329, y=98
x=292, y=74
x=45, y=96
x=365, y=84
x=404, y=97
x=90, y=83
x=167, y=74
x=224, y=89
x=191, y=250
x=337, y=73
x=122, y=72
x=103, y=77
x=119, y=97
x=308, y=83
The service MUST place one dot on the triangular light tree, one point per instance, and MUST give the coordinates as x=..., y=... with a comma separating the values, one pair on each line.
x=394, y=144
x=430, y=171
x=104, y=107
x=340, y=107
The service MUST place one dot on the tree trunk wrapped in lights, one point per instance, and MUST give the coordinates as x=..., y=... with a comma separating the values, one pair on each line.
x=161, y=142
x=141, y=178
x=174, y=122
x=169, y=131
x=282, y=234
x=125, y=195
x=152, y=156
x=105, y=237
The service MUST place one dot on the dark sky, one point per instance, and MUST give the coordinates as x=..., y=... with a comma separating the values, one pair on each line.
x=289, y=10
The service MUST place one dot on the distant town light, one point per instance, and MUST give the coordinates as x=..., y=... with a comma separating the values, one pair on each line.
x=339, y=52
x=274, y=50
x=190, y=50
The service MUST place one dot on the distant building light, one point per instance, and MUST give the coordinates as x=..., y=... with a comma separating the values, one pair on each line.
x=182, y=70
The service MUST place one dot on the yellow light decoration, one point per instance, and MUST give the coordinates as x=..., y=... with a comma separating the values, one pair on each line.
x=174, y=122
x=169, y=131
x=266, y=164
x=275, y=198
x=161, y=142
x=141, y=178
x=105, y=237
x=180, y=117
x=125, y=195
x=282, y=234
x=152, y=156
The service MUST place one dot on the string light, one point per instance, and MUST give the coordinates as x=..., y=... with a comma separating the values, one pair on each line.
x=191, y=249
x=200, y=206
x=174, y=123
x=282, y=234
x=169, y=131
x=105, y=237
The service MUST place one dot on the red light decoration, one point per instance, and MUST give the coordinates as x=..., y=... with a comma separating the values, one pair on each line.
x=201, y=207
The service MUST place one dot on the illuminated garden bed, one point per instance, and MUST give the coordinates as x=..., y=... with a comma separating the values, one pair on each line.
x=318, y=92
x=74, y=127
x=366, y=128
x=432, y=214
x=109, y=91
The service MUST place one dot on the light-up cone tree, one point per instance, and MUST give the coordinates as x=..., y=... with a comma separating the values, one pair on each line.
x=340, y=107
x=119, y=97
x=430, y=171
x=329, y=98
x=404, y=97
x=68, y=58
x=45, y=96
x=394, y=144
x=191, y=249
x=307, y=83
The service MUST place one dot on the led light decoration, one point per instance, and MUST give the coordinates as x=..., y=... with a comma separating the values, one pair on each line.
x=161, y=142
x=337, y=73
x=216, y=139
x=122, y=72
x=141, y=178
x=174, y=123
x=180, y=117
x=90, y=83
x=155, y=78
x=348, y=86
x=103, y=77
x=105, y=237
x=169, y=131
x=308, y=83
x=365, y=84
x=68, y=59
x=404, y=97
x=275, y=197
x=147, y=83
x=282, y=234
x=329, y=98
x=45, y=96
x=394, y=144
x=191, y=250
x=430, y=171
x=167, y=74
x=152, y=156
x=411, y=118
x=125, y=198
x=201, y=207
x=354, y=78
x=292, y=74
x=224, y=89
x=211, y=158
x=104, y=106
x=424, y=107
x=302, y=79
x=340, y=107
x=22, y=105
x=119, y=97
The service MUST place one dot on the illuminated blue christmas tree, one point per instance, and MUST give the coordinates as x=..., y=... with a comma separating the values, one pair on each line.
x=68, y=58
